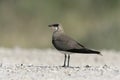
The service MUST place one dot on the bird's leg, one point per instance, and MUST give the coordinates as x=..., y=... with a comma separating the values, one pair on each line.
x=68, y=60
x=65, y=61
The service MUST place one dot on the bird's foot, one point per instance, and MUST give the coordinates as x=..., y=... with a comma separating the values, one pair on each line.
x=67, y=65
x=63, y=66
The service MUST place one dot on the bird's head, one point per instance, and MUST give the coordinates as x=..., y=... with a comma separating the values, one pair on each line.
x=56, y=27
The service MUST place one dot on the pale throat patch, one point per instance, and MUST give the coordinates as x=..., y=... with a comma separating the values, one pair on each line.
x=56, y=28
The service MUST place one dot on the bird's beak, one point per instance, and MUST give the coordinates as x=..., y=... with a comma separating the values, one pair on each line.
x=51, y=27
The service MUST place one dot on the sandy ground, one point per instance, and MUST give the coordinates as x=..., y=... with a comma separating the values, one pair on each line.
x=35, y=64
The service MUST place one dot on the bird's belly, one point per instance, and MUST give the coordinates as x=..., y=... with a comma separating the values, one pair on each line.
x=64, y=52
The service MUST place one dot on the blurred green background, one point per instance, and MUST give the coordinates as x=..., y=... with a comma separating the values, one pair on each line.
x=94, y=23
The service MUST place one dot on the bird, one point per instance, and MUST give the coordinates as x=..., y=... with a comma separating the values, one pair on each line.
x=67, y=45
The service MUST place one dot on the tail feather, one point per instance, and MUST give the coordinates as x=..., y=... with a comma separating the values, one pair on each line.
x=96, y=52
